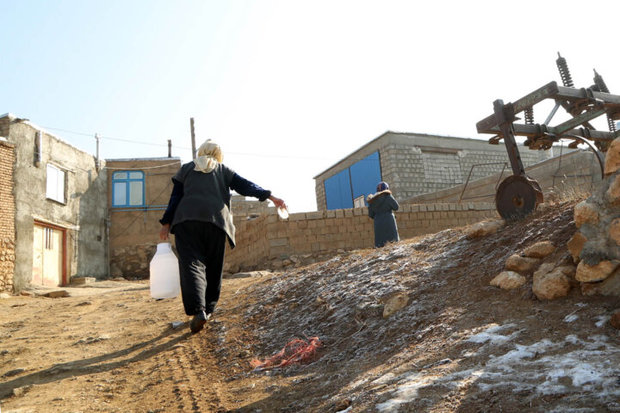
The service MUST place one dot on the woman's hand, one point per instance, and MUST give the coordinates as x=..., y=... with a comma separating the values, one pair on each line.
x=278, y=202
x=164, y=232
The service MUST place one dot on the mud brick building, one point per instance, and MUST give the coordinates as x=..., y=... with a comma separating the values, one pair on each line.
x=138, y=193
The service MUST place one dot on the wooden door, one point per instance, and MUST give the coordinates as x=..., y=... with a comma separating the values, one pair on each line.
x=47, y=257
x=37, y=255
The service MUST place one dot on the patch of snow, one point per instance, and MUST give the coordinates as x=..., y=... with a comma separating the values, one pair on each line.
x=490, y=335
x=539, y=368
x=407, y=390
x=386, y=378
x=602, y=320
x=570, y=318
x=520, y=353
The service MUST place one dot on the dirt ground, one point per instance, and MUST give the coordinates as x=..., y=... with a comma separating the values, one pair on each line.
x=458, y=345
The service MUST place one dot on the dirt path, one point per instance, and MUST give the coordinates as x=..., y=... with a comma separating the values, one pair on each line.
x=116, y=351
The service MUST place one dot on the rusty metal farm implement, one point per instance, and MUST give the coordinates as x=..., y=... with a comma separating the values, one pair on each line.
x=518, y=194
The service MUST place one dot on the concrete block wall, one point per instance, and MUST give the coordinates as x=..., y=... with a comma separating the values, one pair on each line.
x=266, y=238
x=249, y=206
x=7, y=216
x=412, y=171
x=572, y=174
x=319, y=190
x=252, y=242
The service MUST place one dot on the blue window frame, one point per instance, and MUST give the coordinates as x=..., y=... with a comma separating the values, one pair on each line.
x=127, y=189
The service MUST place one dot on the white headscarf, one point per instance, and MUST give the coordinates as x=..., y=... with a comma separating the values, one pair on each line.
x=208, y=156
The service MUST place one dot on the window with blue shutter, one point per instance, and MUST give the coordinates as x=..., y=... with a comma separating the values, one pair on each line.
x=127, y=189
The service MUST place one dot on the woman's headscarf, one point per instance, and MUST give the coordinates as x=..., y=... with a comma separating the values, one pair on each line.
x=382, y=186
x=208, y=156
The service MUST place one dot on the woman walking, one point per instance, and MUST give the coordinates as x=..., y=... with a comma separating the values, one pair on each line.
x=381, y=207
x=199, y=216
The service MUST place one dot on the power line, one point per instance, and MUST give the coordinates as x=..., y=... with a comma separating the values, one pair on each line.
x=253, y=155
x=111, y=138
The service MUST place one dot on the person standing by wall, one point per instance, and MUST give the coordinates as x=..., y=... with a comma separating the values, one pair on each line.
x=381, y=207
x=200, y=217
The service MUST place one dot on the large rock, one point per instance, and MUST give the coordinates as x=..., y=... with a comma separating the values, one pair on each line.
x=540, y=249
x=612, y=159
x=575, y=245
x=508, y=280
x=484, y=228
x=614, y=231
x=609, y=286
x=586, y=213
x=613, y=192
x=615, y=319
x=521, y=264
x=598, y=272
x=550, y=285
x=394, y=304
x=568, y=270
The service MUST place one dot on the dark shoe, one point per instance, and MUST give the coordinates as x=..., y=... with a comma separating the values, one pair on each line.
x=198, y=322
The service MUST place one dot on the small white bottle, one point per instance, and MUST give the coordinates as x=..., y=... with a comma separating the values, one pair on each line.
x=164, y=273
x=283, y=213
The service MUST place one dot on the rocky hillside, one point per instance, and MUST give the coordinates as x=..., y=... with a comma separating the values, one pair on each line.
x=417, y=326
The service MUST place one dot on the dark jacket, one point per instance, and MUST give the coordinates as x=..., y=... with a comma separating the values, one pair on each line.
x=380, y=209
x=198, y=196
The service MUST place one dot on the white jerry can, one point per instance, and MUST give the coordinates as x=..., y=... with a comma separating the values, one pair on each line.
x=164, y=273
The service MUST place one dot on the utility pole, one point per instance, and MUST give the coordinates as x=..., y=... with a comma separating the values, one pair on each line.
x=169, y=148
x=191, y=124
x=97, y=162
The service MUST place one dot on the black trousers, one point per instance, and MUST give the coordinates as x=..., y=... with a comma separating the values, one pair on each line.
x=200, y=247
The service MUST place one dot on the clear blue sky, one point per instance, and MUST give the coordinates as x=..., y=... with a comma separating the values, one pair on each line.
x=288, y=88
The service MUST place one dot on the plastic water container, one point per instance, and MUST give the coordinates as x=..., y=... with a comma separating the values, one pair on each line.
x=164, y=273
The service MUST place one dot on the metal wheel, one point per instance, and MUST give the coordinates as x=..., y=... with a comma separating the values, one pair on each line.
x=517, y=196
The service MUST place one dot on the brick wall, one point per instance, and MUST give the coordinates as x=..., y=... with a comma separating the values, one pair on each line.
x=267, y=237
x=249, y=206
x=7, y=217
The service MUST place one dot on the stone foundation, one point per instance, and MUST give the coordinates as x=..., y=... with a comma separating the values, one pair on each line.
x=132, y=262
x=7, y=264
